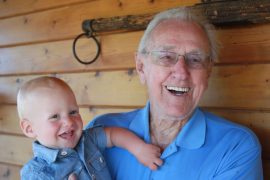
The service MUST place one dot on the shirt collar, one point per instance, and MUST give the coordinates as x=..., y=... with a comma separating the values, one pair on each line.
x=192, y=135
x=48, y=154
x=140, y=123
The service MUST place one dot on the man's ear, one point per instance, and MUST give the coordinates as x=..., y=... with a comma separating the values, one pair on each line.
x=140, y=67
x=209, y=70
x=27, y=128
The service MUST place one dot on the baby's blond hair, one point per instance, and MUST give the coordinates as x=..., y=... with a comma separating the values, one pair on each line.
x=32, y=86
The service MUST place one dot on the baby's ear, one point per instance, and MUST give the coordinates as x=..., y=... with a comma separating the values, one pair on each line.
x=27, y=129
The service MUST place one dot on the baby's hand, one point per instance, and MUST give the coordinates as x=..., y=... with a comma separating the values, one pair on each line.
x=149, y=155
x=72, y=177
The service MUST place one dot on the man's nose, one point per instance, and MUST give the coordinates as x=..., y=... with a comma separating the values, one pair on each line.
x=180, y=69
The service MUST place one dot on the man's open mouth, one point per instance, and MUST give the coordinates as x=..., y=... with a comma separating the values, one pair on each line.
x=178, y=90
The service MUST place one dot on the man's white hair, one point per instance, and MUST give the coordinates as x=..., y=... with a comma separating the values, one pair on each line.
x=181, y=14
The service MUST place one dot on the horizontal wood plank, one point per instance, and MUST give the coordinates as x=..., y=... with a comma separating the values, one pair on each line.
x=258, y=121
x=18, y=7
x=9, y=172
x=245, y=86
x=63, y=23
x=15, y=150
x=93, y=88
x=238, y=46
x=117, y=53
x=36, y=38
x=244, y=44
x=9, y=120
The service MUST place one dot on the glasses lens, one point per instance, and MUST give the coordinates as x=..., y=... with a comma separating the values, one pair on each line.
x=164, y=58
x=192, y=60
x=195, y=60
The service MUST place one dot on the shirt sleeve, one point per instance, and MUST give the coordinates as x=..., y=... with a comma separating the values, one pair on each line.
x=98, y=137
x=28, y=173
x=248, y=171
x=243, y=162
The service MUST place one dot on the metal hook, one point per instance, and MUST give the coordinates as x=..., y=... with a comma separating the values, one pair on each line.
x=89, y=33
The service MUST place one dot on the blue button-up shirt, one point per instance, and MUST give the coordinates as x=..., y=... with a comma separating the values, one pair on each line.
x=85, y=160
x=208, y=147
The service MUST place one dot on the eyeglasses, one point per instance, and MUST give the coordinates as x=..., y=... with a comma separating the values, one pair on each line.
x=194, y=60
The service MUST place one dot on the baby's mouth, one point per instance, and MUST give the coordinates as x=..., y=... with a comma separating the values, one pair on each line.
x=178, y=90
x=67, y=134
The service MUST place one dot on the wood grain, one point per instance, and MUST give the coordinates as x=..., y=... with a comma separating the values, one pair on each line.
x=118, y=52
x=242, y=86
x=65, y=23
x=15, y=149
x=217, y=12
x=256, y=120
x=9, y=172
x=241, y=45
x=18, y=7
x=9, y=120
x=36, y=39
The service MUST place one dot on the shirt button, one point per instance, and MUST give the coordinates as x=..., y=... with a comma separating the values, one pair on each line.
x=93, y=177
x=101, y=160
x=63, y=153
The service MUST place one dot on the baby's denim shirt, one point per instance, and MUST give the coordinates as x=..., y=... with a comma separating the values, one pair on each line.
x=85, y=161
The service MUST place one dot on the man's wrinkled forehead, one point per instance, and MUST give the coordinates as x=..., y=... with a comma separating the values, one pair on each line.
x=177, y=29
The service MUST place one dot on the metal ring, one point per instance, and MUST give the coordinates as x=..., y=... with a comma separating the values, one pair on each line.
x=74, y=48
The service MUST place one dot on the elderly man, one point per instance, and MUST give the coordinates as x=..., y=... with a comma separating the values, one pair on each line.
x=174, y=61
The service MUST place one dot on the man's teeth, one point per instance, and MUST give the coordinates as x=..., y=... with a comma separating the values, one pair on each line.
x=179, y=89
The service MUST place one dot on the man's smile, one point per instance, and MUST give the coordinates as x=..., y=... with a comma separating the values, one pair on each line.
x=178, y=90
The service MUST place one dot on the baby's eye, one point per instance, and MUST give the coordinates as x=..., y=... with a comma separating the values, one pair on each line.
x=55, y=117
x=74, y=112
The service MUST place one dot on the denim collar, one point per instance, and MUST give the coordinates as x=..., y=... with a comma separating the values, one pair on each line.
x=48, y=154
x=192, y=135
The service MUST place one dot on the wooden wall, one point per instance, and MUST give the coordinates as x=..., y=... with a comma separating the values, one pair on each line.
x=36, y=39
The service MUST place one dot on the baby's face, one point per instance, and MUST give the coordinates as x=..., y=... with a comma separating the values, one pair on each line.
x=55, y=117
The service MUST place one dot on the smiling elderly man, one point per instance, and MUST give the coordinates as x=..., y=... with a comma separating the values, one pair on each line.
x=174, y=61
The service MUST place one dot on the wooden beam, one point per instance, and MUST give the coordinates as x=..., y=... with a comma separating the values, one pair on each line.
x=231, y=12
x=227, y=12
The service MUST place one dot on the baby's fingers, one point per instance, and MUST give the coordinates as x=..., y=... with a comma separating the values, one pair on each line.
x=158, y=162
x=153, y=167
x=155, y=164
x=72, y=177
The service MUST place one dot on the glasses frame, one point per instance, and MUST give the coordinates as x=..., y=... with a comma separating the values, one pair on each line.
x=207, y=58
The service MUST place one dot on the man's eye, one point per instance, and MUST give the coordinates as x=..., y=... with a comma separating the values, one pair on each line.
x=194, y=58
x=165, y=56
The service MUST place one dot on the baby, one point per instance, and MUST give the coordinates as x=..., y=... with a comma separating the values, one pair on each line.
x=49, y=113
